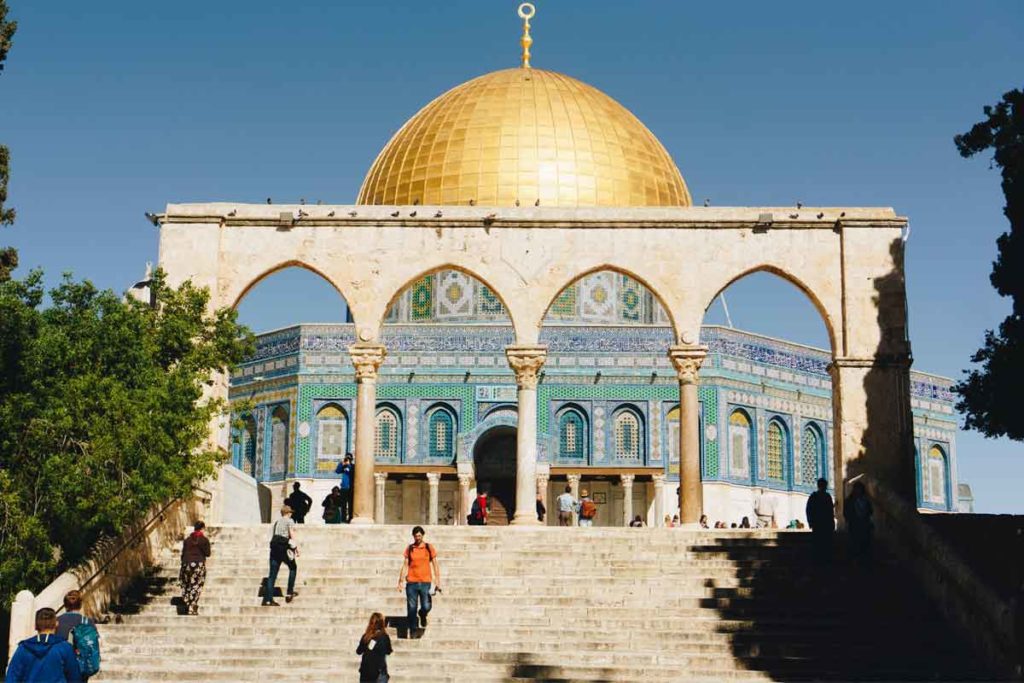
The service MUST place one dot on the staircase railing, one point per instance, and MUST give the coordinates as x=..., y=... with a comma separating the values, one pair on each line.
x=992, y=624
x=112, y=565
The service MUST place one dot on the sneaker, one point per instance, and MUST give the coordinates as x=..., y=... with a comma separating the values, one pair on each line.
x=291, y=596
x=271, y=603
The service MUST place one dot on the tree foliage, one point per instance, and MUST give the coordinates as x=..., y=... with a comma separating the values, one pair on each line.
x=8, y=256
x=988, y=395
x=102, y=414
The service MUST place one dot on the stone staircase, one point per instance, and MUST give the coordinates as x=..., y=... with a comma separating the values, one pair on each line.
x=557, y=604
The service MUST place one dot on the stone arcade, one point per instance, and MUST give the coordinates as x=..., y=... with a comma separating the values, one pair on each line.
x=524, y=262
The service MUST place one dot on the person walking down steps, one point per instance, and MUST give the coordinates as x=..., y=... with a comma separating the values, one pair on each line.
x=420, y=559
x=282, y=551
x=374, y=646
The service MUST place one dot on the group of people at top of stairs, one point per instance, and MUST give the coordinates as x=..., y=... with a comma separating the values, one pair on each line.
x=65, y=648
x=337, y=504
x=858, y=513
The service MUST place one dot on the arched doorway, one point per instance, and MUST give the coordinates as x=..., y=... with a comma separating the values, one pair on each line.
x=494, y=457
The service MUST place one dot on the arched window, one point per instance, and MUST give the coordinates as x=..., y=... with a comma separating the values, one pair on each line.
x=387, y=434
x=331, y=437
x=441, y=430
x=672, y=431
x=935, y=479
x=627, y=436
x=247, y=446
x=572, y=435
x=278, y=441
x=776, y=451
x=810, y=456
x=740, y=444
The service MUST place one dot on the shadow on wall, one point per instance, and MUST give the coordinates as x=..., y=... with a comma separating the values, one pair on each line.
x=796, y=620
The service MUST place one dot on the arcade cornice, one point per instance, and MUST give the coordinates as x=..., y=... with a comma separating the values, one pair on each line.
x=289, y=216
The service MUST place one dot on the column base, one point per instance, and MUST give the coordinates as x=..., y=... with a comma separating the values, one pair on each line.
x=362, y=521
x=525, y=520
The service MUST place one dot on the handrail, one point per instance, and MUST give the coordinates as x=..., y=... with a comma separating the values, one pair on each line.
x=159, y=516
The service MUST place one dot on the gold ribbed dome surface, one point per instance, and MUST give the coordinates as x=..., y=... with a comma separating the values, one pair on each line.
x=524, y=135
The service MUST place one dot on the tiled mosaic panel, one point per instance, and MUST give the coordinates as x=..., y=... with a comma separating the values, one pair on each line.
x=307, y=393
x=422, y=303
x=708, y=396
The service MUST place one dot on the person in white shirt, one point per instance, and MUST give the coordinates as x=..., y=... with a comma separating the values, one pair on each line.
x=566, y=506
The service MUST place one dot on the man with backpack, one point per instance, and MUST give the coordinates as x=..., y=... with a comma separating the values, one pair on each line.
x=478, y=511
x=81, y=633
x=588, y=509
x=420, y=561
x=45, y=657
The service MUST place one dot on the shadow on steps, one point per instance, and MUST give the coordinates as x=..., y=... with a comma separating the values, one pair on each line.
x=795, y=619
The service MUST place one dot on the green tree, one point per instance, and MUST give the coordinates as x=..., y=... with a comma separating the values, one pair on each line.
x=8, y=256
x=102, y=414
x=988, y=395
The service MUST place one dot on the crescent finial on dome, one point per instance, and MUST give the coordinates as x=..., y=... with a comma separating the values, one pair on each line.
x=526, y=12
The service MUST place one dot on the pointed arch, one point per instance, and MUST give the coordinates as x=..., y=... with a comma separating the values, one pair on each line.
x=284, y=265
x=789, y=277
x=434, y=270
x=777, y=451
x=656, y=295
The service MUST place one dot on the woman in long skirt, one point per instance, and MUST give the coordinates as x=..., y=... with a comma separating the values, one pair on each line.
x=194, y=552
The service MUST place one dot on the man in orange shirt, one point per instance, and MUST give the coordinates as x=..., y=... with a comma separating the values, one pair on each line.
x=420, y=560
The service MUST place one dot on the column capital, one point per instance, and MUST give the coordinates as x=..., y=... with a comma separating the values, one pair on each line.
x=659, y=480
x=464, y=479
x=574, y=479
x=367, y=359
x=687, y=359
x=899, y=361
x=526, y=361
x=380, y=478
x=433, y=478
x=627, y=479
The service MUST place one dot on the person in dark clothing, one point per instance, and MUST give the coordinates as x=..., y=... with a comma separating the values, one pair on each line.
x=333, y=507
x=821, y=518
x=194, y=552
x=374, y=646
x=282, y=551
x=541, y=510
x=347, y=471
x=45, y=657
x=857, y=512
x=299, y=502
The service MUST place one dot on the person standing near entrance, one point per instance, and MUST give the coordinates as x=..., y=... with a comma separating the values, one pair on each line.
x=588, y=509
x=821, y=518
x=419, y=563
x=346, y=469
x=478, y=511
x=566, y=506
x=299, y=502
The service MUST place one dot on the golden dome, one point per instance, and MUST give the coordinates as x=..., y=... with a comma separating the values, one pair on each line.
x=524, y=135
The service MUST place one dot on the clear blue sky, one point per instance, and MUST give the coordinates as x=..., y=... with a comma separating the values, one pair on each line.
x=115, y=108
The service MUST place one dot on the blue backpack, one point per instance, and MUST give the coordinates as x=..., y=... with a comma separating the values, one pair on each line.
x=87, y=647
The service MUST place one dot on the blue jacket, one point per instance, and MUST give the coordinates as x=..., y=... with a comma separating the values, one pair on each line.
x=44, y=659
x=345, y=470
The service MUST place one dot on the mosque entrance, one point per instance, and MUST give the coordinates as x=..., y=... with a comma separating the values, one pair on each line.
x=495, y=459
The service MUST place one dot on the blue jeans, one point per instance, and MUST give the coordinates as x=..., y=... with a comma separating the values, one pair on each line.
x=275, y=567
x=416, y=590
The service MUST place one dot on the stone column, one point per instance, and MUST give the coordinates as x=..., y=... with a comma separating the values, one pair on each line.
x=433, y=482
x=574, y=485
x=526, y=361
x=873, y=424
x=687, y=359
x=542, y=491
x=627, y=498
x=367, y=359
x=463, y=498
x=381, y=480
x=659, y=499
